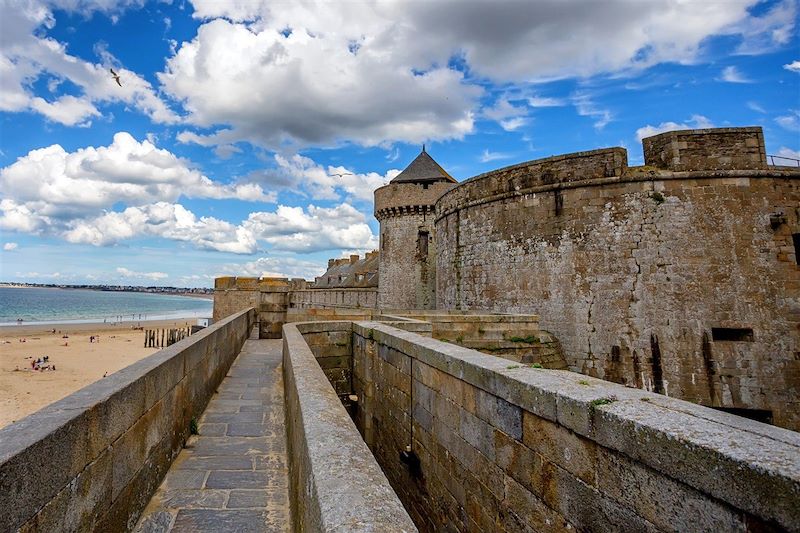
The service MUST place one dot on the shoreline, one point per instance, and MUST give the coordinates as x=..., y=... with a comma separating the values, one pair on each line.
x=82, y=327
x=78, y=359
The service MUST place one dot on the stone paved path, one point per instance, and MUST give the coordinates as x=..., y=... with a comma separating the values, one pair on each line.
x=233, y=476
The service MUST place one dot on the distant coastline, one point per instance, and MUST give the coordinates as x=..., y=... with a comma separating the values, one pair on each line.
x=196, y=292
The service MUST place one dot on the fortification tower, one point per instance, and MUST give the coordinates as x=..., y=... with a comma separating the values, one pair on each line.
x=404, y=208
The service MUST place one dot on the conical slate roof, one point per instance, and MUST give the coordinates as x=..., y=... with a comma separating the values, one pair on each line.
x=423, y=169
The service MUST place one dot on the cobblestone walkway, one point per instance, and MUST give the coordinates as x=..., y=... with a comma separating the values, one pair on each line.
x=233, y=476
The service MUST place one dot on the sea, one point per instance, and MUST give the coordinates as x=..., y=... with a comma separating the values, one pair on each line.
x=56, y=306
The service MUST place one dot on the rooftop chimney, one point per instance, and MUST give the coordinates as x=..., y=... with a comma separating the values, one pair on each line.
x=353, y=259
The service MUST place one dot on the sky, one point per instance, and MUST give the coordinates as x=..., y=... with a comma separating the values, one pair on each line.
x=247, y=137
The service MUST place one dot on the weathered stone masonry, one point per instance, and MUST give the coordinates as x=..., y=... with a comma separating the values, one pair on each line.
x=684, y=282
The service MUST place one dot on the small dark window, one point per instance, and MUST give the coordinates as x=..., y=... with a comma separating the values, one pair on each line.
x=422, y=244
x=759, y=415
x=424, y=185
x=732, y=334
x=559, y=201
x=796, y=242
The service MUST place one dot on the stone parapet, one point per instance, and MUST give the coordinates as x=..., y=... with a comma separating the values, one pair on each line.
x=548, y=172
x=91, y=461
x=335, y=482
x=708, y=149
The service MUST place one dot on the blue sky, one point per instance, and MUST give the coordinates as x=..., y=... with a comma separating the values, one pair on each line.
x=218, y=154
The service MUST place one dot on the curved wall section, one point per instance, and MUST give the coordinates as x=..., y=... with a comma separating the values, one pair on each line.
x=684, y=283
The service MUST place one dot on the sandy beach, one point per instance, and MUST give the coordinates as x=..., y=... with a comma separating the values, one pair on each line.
x=78, y=361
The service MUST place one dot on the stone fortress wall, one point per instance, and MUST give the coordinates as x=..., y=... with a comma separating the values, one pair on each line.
x=680, y=277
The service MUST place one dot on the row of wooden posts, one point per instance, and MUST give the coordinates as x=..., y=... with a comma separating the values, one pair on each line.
x=160, y=338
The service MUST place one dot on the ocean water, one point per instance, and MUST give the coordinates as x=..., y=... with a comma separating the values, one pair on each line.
x=39, y=305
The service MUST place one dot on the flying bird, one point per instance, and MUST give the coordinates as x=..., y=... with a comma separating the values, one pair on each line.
x=341, y=174
x=115, y=76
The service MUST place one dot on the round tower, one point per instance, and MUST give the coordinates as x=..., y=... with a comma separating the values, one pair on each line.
x=405, y=210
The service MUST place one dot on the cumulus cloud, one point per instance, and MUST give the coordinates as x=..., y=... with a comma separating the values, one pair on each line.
x=9, y=246
x=313, y=88
x=287, y=228
x=696, y=122
x=26, y=56
x=790, y=121
x=732, y=74
x=379, y=72
x=154, y=276
x=794, y=66
x=282, y=267
x=81, y=182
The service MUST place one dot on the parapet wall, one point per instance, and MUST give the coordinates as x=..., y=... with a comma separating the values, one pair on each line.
x=512, y=448
x=551, y=172
x=335, y=483
x=91, y=461
x=711, y=149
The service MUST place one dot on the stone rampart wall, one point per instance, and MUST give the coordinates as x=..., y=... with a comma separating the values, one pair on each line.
x=549, y=172
x=508, y=448
x=715, y=149
x=686, y=284
x=321, y=298
x=335, y=483
x=91, y=461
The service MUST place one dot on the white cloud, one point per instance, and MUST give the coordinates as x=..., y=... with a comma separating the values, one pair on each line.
x=128, y=171
x=794, y=66
x=25, y=57
x=153, y=276
x=9, y=246
x=634, y=35
x=586, y=107
x=66, y=110
x=755, y=106
x=487, y=156
x=509, y=116
x=543, y=101
x=314, y=229
x=303, y=174
x=787, y=157
x=287, y=228
x=696, y=122
x=767, y=32
x=732, y=74
x=376, y=73
x=791, y=121
x=312, y=89
x=282, y=267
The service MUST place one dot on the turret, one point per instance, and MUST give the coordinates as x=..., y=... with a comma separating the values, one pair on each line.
x=405, y=210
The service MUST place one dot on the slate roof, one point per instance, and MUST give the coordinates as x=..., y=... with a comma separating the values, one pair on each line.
x=353, y=272
x=423, y=169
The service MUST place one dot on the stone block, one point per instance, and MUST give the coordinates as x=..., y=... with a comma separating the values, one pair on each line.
x=499, y=413
x=561, y=446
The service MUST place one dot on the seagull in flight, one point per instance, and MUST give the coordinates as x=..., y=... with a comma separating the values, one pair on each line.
x=341, y=174
x=115, y=76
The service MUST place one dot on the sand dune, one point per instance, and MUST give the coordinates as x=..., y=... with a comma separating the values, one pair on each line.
x=24, y=391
